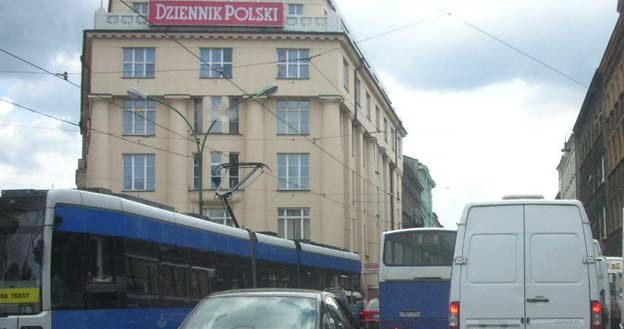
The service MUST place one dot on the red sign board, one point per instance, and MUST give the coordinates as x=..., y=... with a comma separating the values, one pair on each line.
x=167, y=12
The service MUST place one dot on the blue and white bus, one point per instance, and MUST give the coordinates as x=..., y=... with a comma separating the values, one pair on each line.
x=414, y=278
x=73, y=259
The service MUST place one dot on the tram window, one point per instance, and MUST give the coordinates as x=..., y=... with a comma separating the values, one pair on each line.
x=68, y=269
x=174, y=281
x=232, y=272
x=100, y=259
x=141, y=273
x=276, y=275
x=201, y=282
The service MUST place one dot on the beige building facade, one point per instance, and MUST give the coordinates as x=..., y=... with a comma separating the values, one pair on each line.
x=329, y=134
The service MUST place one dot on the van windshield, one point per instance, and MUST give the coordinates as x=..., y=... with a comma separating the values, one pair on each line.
x=20, y=268
x=419, y=248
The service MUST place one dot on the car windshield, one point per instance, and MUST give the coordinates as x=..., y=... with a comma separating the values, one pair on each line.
x=253, y=312
x=373, y=304
x=20, y=268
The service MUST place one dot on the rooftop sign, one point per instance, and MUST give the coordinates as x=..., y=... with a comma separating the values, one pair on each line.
x=212, y=13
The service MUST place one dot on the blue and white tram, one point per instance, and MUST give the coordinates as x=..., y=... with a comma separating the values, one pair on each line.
x=76, y=259
x=414, y=278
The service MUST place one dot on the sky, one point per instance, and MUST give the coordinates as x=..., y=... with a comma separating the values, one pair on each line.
x=486, y=120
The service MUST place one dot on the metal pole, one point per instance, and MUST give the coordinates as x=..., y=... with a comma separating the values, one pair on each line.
x=201, y=143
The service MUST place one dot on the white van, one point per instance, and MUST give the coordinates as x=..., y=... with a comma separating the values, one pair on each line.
x=525, y=264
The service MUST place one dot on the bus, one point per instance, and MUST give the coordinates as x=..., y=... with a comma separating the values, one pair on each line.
x=76, y=259
x=414, y=278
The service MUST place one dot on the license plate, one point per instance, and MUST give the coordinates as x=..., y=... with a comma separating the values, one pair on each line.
x=375, y=316
x=409, y=314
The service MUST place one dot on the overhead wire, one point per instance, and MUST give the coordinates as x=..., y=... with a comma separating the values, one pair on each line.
x=242, y=90
x=38, y=112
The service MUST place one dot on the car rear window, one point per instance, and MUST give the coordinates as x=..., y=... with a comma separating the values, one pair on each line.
x=253, y=312
x=373, y=304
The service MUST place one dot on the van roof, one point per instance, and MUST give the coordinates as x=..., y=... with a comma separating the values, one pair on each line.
x=576, y=203
x=421, y=229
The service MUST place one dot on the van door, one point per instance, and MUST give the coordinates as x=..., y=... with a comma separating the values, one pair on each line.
x=492, y=279
x=557, y=280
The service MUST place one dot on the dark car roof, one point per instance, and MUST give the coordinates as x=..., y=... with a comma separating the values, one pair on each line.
x=271, y=292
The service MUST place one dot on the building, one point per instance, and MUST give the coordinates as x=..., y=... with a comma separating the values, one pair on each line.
x=599, y=135
x=429, y=217
x=329, y=133
x=567, y=171
x=413, y=212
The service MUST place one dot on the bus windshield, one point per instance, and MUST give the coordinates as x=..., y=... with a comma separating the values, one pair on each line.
x=419, y=248
x=21, y=248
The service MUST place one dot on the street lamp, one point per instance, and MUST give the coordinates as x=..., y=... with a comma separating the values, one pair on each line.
x=201, y=143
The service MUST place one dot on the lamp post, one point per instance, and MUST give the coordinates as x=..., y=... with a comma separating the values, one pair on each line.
x=200, y=143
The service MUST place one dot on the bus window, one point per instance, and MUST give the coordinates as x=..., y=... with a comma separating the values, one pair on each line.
x=427, y=248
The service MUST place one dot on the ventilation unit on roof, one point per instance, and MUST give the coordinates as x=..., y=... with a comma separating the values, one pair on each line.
x=524, y=197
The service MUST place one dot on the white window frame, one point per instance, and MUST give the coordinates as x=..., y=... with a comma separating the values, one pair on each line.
x=286, y=109
x=213, y=170
x=138, y=113
x=377, y=117
x=196, y=172
x=133, y=62
x=207, y=64
x=283, y=219
x=142, y=7
x=133, y=158
x=216, y=104
x=301, y=183
x=219, y=215
x=301, y=60
x=298, y=9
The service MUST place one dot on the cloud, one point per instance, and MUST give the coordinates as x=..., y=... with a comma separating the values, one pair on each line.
x=444, y=53
x=484, y=143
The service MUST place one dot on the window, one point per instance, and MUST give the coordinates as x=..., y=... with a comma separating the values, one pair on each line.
x=215, y=118
x=196, y=171
x=198, y=114
x=293, y=171
x=139, y=172
x=393, y=136
x=345, y=74
x=358, y=97
x=294, y=223
x=216, y=63
x=385, y=130
x=368, y=105
x=233, y=115
x=234, y=171
x=140, y=7
x=377, y=117
x=220, y=216
x=293, y=117
x=139, y=62
x=295, y=9
x=293, y=63
x=139, y=117
x=215, y=172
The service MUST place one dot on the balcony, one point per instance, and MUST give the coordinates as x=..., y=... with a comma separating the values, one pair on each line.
x=131, y=21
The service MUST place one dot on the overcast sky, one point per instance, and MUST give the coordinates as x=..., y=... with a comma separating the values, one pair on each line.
x=486, y=120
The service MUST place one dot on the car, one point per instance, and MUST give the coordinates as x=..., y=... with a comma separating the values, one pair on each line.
x=369, y=316
x=271, y=308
